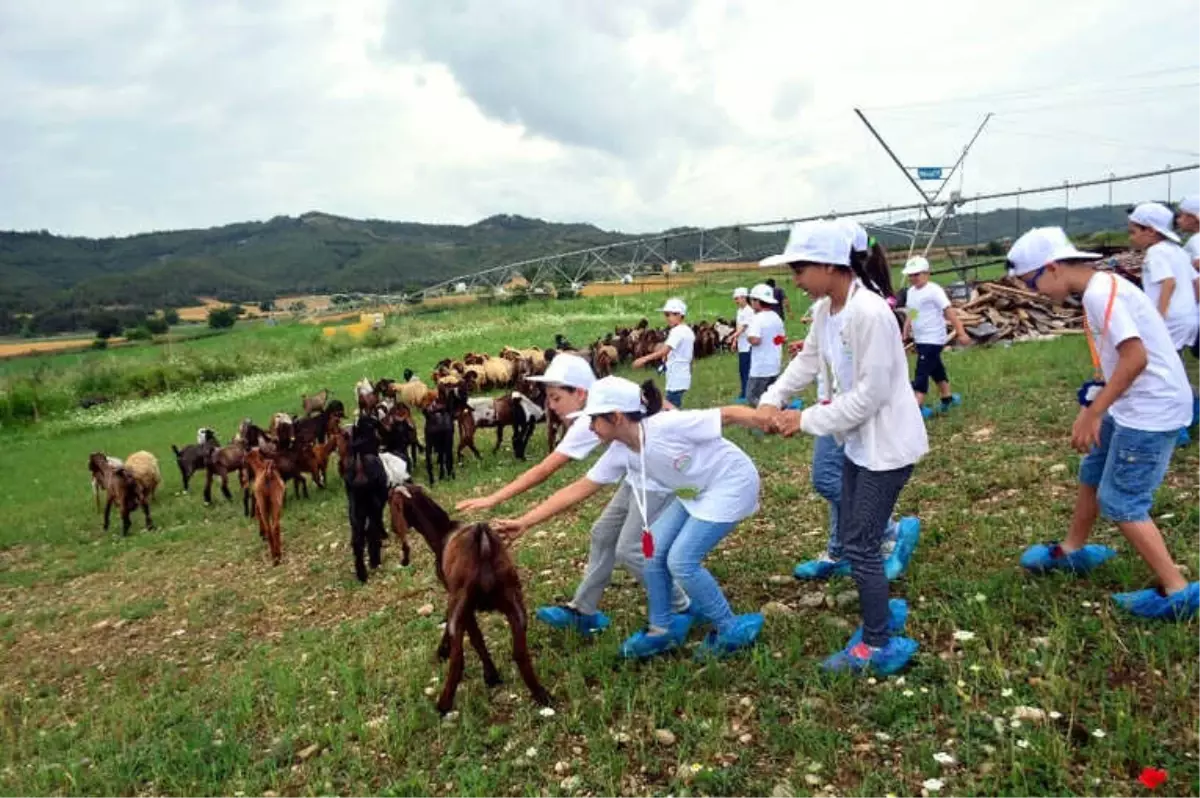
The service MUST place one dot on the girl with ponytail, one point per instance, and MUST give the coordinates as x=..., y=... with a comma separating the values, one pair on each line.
x=869, y=409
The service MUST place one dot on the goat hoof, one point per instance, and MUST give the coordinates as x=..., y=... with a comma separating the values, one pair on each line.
x=492, y=679
x=444, y=709
x=543, y=698
x=443, y=653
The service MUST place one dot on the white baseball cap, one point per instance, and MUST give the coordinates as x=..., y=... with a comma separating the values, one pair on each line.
x=916, y=265
x=1040, y=246
x=571, y=371
x=1156, y=216
x=740, y=292
x=611, y=395
x=1190, y=204
x=763, y=293
x=822, y=241
x=675, y=305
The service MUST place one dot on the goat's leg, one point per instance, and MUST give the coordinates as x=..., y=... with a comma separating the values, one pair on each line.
x=126, y=522
x=274, y=536
x=358, y=542
x=499, y=437
x=375, y=538
x=399, y=525
x=491, y=677
x=455, y=628
x=443, y=649
x=517, y=621
x=146, y=510
x=185, y=474
x=429, y=463
x=208, y=480
x=107, y=512
x=225, y=486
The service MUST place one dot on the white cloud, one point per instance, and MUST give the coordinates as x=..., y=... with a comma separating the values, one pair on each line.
x=135, y=115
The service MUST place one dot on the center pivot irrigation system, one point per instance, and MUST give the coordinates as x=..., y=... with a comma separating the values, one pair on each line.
x=937, y=220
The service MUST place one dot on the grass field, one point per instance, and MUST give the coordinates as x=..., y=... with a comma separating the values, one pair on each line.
x=180, y=662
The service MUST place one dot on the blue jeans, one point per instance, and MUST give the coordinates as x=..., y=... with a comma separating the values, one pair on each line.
x=680, y=543
x=743, y=371
x=1126, y=469
x=827, y=482
x=676, y=398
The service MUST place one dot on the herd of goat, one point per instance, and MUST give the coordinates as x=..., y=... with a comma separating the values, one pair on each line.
x=377, y=458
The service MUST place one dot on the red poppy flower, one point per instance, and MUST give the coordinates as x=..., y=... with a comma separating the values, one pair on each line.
x=780, y=340
x=1152, y=778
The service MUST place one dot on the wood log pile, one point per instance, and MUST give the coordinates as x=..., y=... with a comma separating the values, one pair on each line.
x=1005, y=310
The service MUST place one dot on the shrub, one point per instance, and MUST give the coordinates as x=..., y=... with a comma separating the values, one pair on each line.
x=267, y=305
x=156, y=325
x=170, y=315
x=100, y=343
x=105, y=324
x=139, y=333
x=222, y=318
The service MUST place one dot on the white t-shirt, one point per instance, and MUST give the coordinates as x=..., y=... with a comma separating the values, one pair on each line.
x=927, y=308
x=744, y=316
x=766, y=355
x=1167, y=259
x=682, y=341
x=1160, y=399
x=686, y=452
x=1192, y=248
x=579, y=441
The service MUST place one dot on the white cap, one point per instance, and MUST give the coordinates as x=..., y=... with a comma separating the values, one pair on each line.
x=675, y=305
x=859, y=241
x=916, y=265
x=611, y=395
x=1040, y=246
x=823, y=241
x=740, y=292
x=1190, y=204
x=1155, y=216
x=763, y=293
x=571, y=371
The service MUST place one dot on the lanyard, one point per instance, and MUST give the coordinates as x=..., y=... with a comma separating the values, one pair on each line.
x=1094, y=345
x=831, y=369
x=640, y=498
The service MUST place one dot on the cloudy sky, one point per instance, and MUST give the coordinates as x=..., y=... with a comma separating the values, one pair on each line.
x=134, y=115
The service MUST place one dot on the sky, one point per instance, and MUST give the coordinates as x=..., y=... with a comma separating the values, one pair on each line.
x=135, y=115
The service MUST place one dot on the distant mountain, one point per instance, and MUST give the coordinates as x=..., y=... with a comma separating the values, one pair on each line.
x=322, y=253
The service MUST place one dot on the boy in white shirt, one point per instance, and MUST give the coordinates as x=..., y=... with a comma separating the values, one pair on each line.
x=1168, y=278
x=1130, y=413
x=1187, y=220
x=928, y=309
x=676, y=351
x=745, y=313
x=767, y=336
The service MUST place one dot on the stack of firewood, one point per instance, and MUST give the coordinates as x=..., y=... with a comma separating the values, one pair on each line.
x=1005, y=310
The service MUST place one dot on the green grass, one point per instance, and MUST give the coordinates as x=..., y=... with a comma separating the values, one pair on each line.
x=178, y=661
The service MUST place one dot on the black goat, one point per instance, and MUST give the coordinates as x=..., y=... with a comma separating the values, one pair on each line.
x=366, y=495
x=439, y=437
x=195, y=456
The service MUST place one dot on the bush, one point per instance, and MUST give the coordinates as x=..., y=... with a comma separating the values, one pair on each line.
x=105, y=324
x=222, y=318
x=100, y=343
x=238, y=310
x=157, y=325
x=170, y=315
x=137, y=334
x=267, y=305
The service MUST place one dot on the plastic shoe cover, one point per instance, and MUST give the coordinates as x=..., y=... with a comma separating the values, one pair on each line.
x=1151, y=603
x=821, y=568
x=1041, y=558
x=742, y=635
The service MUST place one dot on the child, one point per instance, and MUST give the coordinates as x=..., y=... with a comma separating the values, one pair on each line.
x=1129, y=416
x=1187, y=220
x=767, y=337
x=685, y=452
x=616, y=533
x=1168, y=278
x=677, y=351
x=871, y=412
x=745, y=314
x=928, y=310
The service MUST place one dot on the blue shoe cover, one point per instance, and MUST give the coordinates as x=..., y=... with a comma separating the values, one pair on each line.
x=897, y=619
x=742, y=635
x=907, y=537
x=819, y=569
x=644, y=645
x=1150, y=603
x=890, y=659
x=569, y=618
x=1042, y=558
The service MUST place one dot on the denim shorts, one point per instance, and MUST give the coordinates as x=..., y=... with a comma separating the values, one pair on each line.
x=1127, y=468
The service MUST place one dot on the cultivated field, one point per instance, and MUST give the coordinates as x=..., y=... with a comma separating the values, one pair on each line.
x=179, y=661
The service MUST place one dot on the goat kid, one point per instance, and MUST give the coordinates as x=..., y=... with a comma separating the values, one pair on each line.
x=194, y=456
x=269, y=494
x=473, y=564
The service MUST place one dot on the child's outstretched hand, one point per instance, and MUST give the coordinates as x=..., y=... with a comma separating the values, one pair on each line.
x=508, y=528
x=471, y=505
x=787, y=423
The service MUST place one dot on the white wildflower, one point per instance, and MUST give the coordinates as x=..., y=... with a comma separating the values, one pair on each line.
x=1022, y=743
x=1054, y=715
x=933, y=785
x=1006, y=692
x=942, y=758
x=1099, y=734
x=963, y=636
x=909, y=693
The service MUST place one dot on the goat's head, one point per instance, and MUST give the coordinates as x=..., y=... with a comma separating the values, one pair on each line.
x=408, y=375
x=205, y=435
x=97, y=463
x=427, y=517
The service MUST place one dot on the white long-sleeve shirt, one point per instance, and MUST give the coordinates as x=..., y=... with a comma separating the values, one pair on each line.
x=873, y=411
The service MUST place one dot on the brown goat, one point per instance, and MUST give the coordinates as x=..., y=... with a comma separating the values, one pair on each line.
x=315, y=403
x=269, y=494
x=478, y=573
x=123, y=488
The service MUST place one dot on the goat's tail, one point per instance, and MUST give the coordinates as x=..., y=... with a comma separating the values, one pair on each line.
x=175, y=449
x=487, y=566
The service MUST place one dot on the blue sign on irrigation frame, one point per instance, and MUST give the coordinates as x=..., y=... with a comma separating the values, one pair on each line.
x=929, y=172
